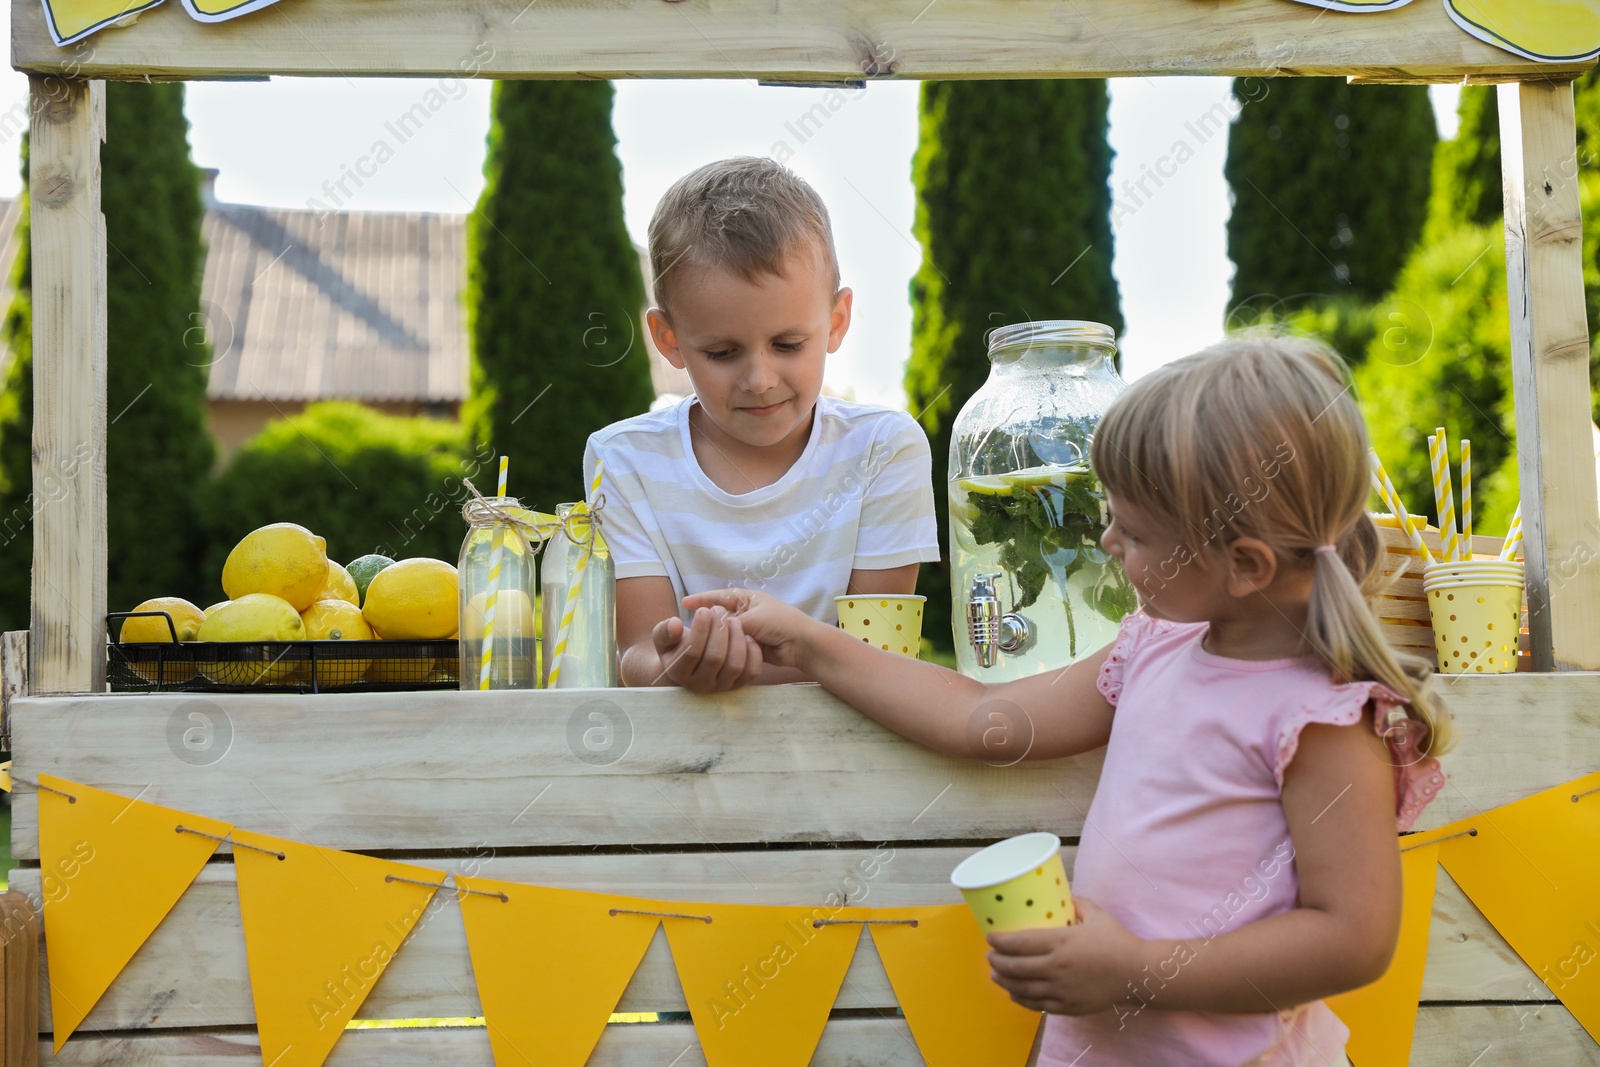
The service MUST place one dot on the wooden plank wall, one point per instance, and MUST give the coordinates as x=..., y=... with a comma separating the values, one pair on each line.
x=778, y=796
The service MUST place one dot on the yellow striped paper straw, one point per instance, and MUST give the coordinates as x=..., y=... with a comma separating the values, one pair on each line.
x=494, y=585
x=1444, y=496
x=570, y=609
x=1513, y=536
x=1391, y=499
x=1466, y=498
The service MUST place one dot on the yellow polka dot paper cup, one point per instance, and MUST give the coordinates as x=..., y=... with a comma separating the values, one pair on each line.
x=892, y=623
x=1476, y=608
x=1017, y=884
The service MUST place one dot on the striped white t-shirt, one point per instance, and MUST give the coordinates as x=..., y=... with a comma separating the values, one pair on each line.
x=859, y=497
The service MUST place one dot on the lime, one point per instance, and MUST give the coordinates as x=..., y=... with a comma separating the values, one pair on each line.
x=363, y=570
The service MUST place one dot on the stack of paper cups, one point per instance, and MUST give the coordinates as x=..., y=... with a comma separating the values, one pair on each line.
x=1476, y=607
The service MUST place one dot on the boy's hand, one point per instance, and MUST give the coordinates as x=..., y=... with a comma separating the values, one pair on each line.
x=1068, y=970
x=774, y=625
x=711, y=655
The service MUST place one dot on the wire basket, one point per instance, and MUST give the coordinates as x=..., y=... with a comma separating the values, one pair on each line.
x=278, y=666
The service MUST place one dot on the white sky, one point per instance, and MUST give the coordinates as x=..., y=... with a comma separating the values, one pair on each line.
x=278, y=143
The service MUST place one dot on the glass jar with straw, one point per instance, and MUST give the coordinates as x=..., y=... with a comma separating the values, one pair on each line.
x=499, y=643
x=580, y=606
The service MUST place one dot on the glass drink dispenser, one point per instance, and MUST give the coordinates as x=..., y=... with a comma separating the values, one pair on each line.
x=1033, y=590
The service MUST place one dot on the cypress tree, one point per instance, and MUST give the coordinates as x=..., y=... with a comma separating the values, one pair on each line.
x=1330, y=189
x=1014, y=217
x=554, y=288
x=1466, y=173
x=158, y=451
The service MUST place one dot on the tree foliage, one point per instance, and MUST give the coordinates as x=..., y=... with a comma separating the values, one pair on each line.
x=365, y=481
x=554, y=287
x=158, y=450
x=1013, y=214
x=1328, y=196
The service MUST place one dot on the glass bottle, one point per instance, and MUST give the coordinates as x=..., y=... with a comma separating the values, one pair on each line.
x=513, y=640
x=586, y=654
x=1032, y=588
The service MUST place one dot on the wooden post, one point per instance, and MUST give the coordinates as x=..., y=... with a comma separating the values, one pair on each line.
x=1550, y=371
x=19, y=971
x=66, y=646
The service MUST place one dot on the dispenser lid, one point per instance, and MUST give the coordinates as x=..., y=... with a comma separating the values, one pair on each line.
x=1051, y=331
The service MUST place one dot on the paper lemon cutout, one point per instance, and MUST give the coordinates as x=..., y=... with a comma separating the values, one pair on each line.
x=1552, y=31
x=1357, y=5
x=73, y=20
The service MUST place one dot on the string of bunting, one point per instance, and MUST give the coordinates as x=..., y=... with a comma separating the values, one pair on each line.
x=113, y=868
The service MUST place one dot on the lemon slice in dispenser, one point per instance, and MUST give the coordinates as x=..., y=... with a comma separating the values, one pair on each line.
x=986, y=485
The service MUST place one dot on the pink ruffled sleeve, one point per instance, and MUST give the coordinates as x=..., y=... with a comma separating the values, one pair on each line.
x=1134, y=628
x=1418, y=778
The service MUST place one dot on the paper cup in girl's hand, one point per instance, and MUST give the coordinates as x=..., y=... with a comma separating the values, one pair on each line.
x=892, y=623
x=1017, y=884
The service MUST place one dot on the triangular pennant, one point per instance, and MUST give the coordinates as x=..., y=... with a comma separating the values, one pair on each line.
x=320, y=927
x=1382, y=1017
x=760, y=981
x=940, y=972
x=111, y=869
x=550, y=965
x=73, y=20
x=1533, y=869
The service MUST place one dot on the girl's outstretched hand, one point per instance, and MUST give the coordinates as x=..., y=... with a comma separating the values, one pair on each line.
x=1068, y=970
x=774, y=625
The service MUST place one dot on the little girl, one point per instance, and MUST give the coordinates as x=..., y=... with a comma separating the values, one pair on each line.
x=1239, y=861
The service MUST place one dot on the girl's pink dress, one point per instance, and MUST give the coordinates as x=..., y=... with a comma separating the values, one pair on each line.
x=1186, y=837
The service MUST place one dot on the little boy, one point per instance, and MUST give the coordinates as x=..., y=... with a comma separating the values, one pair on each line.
x=756, y=480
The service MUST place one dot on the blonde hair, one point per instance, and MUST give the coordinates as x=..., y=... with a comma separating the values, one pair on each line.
x=1259, y=436
x=745, y=214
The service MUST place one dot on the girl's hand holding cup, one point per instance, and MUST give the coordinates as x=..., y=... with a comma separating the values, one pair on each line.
x=1069, y=970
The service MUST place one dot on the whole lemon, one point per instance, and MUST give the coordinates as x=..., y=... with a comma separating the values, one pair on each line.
x=513, y=615
x=335, y=620
x=215, y=606
x=285, y=560
x=186, y=619
x=252, y=617
x=414, y=600
x=339, y=586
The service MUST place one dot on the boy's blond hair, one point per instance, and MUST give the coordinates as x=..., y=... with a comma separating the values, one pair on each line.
x=745, y=214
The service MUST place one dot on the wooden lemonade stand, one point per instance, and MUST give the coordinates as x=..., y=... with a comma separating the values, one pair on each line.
x=760, y=796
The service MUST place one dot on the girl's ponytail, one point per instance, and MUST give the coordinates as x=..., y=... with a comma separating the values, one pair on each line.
x=1343, y=630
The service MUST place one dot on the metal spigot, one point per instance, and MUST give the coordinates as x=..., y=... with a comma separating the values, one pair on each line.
x=990, y=631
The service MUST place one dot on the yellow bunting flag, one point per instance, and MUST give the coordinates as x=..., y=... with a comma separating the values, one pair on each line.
x=111, y=869
x=73, y=20
x=760, y=981
x=551, y=965
x=940, y=972
x=1382, y=1017
x=320, y=926
x=1533, y=869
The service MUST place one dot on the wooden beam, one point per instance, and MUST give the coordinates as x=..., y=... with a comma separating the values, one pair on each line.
x=427, y=771
x=19, y=971
x=1550, y=374
x=67, y=642
x=1447, y=1036
x=830, y=40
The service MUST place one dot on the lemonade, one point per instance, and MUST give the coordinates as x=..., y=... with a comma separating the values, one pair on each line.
x=1040, y=529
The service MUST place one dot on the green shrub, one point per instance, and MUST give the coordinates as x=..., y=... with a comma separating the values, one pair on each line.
x=366, y=481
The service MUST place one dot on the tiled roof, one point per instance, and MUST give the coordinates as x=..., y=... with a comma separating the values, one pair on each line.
x=359, y=306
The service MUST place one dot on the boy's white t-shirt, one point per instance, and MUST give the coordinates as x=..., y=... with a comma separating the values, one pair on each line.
x=859, y=497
